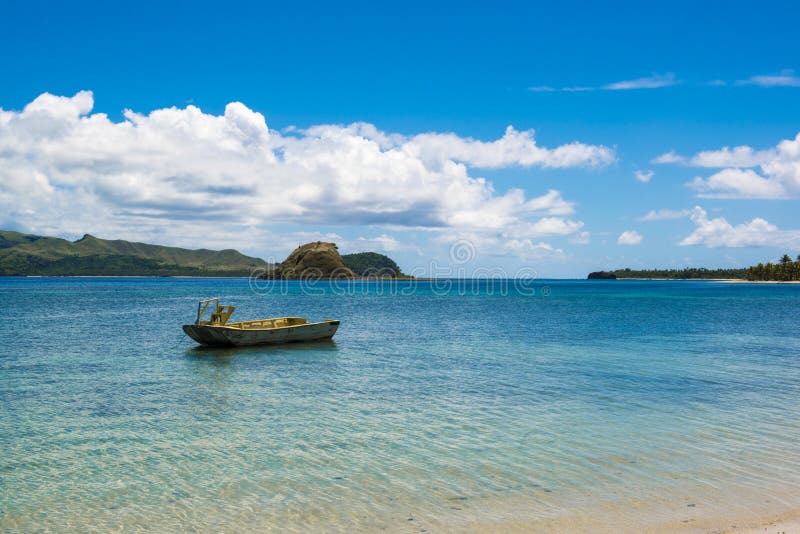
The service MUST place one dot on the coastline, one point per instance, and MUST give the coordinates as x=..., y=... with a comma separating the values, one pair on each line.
x=737, y=281
x=727, y=280
x=405, y=279
x=112, y=276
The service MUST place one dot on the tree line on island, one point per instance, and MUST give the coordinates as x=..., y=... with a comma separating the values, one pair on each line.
x=786, y=270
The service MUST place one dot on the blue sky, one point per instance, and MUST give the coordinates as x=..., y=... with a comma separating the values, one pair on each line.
x=655, y=78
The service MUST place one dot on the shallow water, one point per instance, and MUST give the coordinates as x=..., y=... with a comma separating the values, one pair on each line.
x=435, y=407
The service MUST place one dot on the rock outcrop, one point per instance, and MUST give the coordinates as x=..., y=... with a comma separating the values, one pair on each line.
x=318, y=260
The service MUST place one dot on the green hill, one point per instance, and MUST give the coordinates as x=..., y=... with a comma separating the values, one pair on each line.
x=25, y=254
x=372, y=264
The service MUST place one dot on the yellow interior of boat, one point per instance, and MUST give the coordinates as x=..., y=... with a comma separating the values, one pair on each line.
x=278, y=322
x=259, y=324
x=220, y=315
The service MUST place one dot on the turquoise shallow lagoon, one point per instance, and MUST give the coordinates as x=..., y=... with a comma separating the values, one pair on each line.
x=473, y=405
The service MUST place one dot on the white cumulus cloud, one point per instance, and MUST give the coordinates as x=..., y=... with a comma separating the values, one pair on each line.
x=772, y=173
x=514, y=148
x=643, y=176
x=718, y=232
x=181, y=175
x=740, y=156
x=629, y=237
x=738, y=183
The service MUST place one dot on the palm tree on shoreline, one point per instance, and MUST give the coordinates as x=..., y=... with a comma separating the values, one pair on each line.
x=786, y=270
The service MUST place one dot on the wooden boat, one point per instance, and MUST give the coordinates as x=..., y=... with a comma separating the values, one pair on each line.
x=218, y=332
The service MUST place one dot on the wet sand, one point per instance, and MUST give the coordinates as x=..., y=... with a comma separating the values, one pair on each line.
x=721, y=510
x=784, y=524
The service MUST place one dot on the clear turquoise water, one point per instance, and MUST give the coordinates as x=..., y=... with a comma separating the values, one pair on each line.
x=431, y=407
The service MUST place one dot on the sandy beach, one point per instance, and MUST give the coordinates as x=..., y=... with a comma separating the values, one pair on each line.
x=789, y=524
x=786, y=524
x=679, y=518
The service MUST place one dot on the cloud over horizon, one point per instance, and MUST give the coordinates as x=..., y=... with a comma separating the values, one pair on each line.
x=180, y=171
x=777, y=177
x=719, y=233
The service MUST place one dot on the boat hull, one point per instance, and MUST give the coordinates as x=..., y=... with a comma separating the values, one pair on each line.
x=225, y=336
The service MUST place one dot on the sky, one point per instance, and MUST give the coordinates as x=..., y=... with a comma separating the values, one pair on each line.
x=458, y=138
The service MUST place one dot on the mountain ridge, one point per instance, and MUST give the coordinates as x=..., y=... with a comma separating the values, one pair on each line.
x=28, y=254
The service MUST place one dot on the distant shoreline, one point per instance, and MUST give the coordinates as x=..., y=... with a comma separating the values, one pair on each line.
x=736, y=281
x=728, y=280
x=422, y=279
x=110, y=276
x=686, y=279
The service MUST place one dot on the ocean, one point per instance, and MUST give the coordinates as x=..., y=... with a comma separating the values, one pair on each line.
x=439, y=406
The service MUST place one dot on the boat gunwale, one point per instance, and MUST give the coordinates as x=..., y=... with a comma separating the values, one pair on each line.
x=286, y=327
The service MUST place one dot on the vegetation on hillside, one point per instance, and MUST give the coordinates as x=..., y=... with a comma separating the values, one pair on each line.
x=33, y=255
x=25, y=254
x=373, y=265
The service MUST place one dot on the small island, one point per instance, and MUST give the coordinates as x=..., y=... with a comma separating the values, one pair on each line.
x=321, y=260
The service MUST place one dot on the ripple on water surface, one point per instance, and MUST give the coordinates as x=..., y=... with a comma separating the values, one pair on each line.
x=428, y=410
